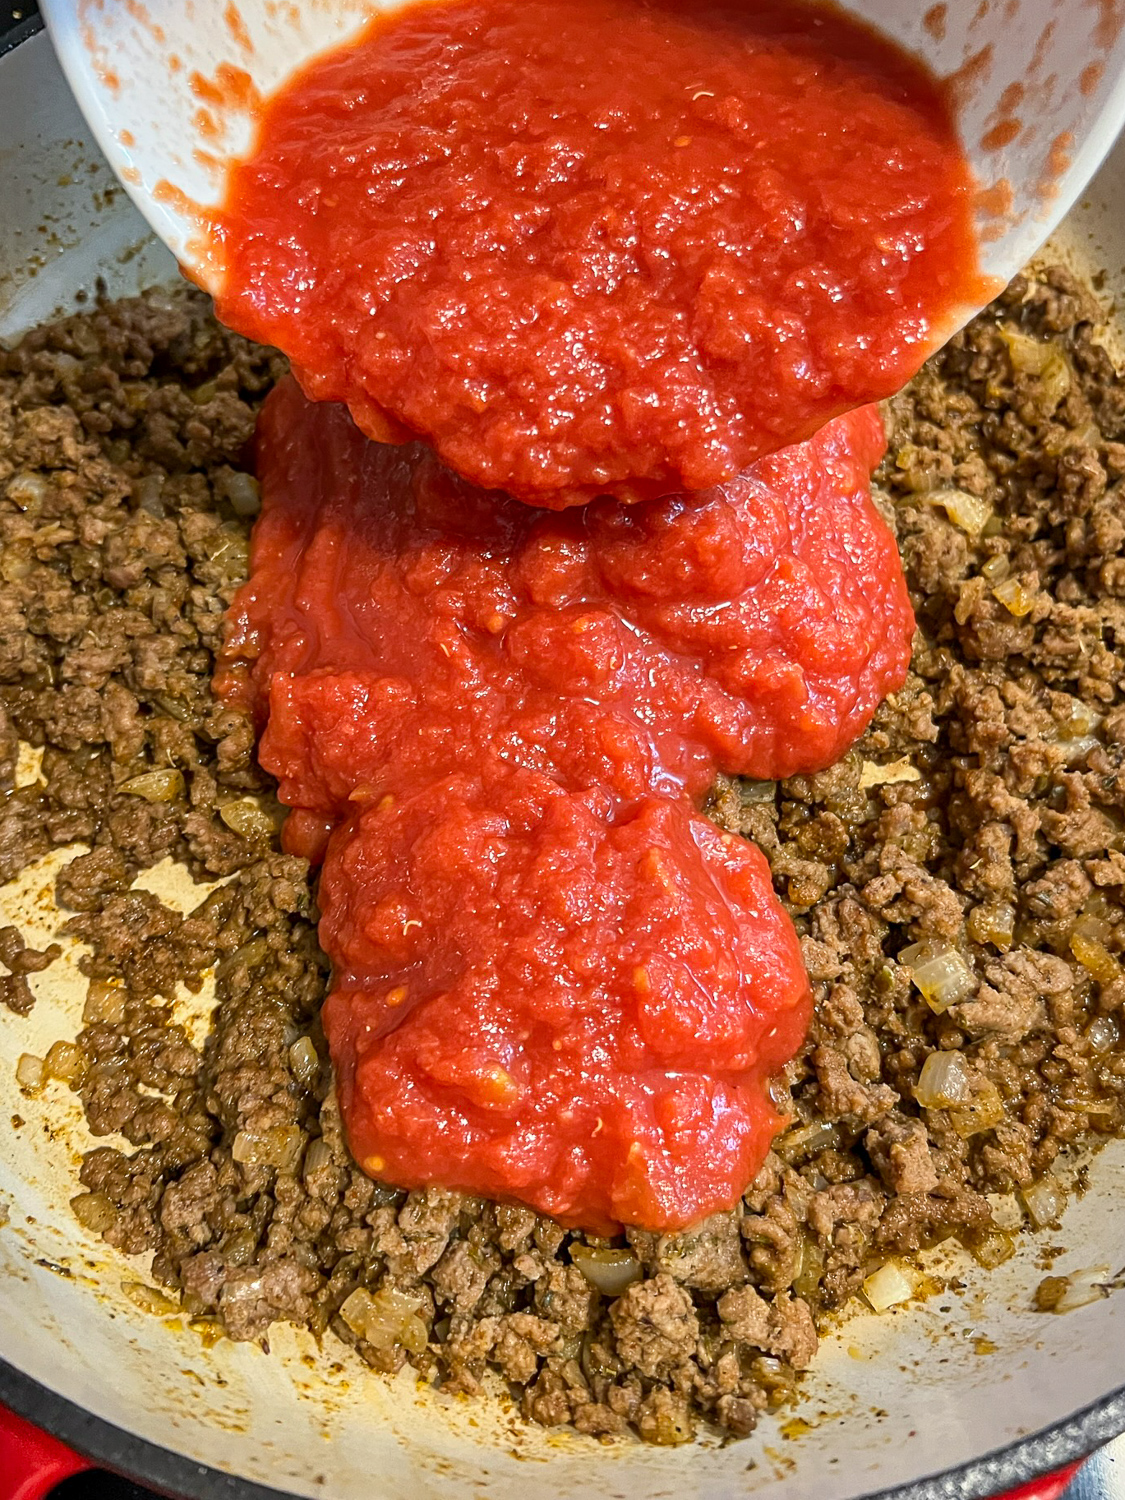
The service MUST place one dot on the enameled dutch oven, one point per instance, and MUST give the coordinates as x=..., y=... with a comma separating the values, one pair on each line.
x=968, y=1395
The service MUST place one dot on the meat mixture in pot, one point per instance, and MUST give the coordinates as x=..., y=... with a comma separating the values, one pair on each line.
x=957, y=882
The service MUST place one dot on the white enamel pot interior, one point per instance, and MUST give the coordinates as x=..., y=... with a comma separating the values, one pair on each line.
x=1040, y=86
x=965, y=1395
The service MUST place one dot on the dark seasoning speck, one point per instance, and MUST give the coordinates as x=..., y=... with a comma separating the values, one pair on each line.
x=124, y=436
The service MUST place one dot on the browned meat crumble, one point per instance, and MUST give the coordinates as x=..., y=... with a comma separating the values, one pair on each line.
x=971, y=847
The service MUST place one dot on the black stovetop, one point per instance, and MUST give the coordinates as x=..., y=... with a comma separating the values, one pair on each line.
x=17, y=19
x=98, y=1485
x=19, y=10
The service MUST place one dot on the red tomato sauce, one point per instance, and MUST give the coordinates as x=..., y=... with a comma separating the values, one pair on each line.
x=593, y=247
x=553, y=979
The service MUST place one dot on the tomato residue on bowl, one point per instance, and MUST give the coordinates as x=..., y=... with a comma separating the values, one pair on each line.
x=553, y=979
x=599, y=246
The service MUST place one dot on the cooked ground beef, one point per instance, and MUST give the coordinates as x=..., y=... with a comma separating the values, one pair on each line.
x=20, y=961
x=972, y=846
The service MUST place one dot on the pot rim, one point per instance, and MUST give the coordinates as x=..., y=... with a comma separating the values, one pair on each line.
x=135, y=1458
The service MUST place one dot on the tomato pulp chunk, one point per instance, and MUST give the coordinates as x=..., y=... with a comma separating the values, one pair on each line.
x=593, y=247
x=553, y=980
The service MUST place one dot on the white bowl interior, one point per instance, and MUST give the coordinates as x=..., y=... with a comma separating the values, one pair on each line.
x=908, y=1394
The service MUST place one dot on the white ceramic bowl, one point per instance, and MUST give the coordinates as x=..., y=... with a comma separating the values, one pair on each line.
x=1045, y=77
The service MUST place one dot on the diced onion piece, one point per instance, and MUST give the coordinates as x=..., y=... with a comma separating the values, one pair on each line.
x=277, y=1146
x=671, y=1426
x=969, y=513
x=155, y=786
x=248, y=819
x=891, y=1284
x=610, y=1271
x=51, y=534
x=1055, y=379
x=232, y=547
x=239, y=1249
x=105, y=1004
x=244, y=494
x=15, y=562
x=65, y=1061
x=149, y=1299
x=1092, y=953
x=27, y=489
x=174, y=707
x=996, y=568
x=807, y=1281
x=147, y=493
x=1015, y=598
x=940, y=972
x=1081, y=1288
x=1081, y=720
x=993, y=922
x=1102, y=1034
x=387, y=1318
x=303, y=1061
x=1092, y=924
x=1098, y=904
x=804, y=1140
x=1046, y=362
x=944, y=1082
x=1087, y=436
x=983, y=1110
x=94, y=1211
x=993, y=1248
x=1044, y=1201
x=1086, y=1104
x=1028, y=356
x=1077, y=749
x=31, y=1072
x=250, y=954
x=759, y=791
x=209, y=1331
x=773, y=1374
x=318, y=1156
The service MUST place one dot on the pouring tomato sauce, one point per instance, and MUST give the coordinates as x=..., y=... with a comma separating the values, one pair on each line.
x=554, y=980
x=590, y=247
x=630, y=271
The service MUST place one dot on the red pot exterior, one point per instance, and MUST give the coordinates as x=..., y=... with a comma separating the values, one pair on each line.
x=32, y=1462
x=1050, y=1487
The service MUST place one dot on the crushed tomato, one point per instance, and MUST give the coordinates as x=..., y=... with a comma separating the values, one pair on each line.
x=554, y=980
x=603, y=246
